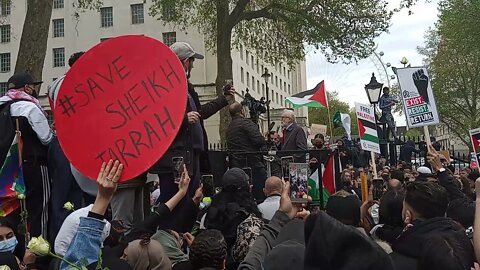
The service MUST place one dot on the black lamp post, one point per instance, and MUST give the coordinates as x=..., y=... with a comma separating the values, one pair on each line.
x=266, y=75
x=374, y=90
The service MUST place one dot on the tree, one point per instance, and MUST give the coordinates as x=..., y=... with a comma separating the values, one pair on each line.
x=279, y=30
x=33, y=43
x=452, y=54
x=320, y=115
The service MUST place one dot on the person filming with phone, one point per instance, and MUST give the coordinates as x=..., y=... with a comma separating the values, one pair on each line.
x=190, y=144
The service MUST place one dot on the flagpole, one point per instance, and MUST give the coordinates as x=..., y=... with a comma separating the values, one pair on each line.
x=330, y=123
x=23, y=205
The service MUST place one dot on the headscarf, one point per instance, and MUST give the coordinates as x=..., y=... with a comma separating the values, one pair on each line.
x=170, y=245
x=147, y=255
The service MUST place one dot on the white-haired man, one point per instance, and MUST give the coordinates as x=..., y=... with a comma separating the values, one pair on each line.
x=294, y=137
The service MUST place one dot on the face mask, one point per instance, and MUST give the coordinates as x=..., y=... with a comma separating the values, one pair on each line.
x=8, y=245
x=35, y=94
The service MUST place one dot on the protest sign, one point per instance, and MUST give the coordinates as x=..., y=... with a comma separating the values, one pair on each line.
x=475, y=138
x=367, y=128
x=417, y=96
x=124, y=99
x=317, y=129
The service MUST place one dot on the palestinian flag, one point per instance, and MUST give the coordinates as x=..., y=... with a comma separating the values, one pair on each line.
x=328, y=180
x=367, y=131
x=343, y=120
x=316, y=97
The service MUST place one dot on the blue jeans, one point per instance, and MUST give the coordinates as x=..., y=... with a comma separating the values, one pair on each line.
x=86, y=243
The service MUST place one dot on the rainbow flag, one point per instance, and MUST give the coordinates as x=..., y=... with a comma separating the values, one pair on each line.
x=11, y=179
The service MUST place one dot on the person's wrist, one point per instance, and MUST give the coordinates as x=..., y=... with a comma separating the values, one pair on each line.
x=100, y=205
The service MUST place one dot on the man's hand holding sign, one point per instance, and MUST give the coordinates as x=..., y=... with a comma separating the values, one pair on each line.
x=124, y=100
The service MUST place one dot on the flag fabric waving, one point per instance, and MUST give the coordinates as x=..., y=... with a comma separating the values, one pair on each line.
x=11, y=179
x=475, y=138
x=343, y=120
x=328, y=181
x=316, y=97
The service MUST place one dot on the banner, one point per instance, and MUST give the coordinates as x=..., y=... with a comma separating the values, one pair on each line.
x=317, y=129
x=125, y=100
x=475, y=138
x=417, y=96
x=367, y=128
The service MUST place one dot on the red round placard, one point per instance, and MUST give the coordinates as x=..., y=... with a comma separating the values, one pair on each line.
x=125, y=100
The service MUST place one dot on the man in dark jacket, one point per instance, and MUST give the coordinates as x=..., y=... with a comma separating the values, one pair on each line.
x=191, y=140
x=423, y=213
x=294, y=137
x=243, y=135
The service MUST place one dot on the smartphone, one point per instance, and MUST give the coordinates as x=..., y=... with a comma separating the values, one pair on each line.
x=177, y=168
x=298, y=177
x=208, y=186
x=248, y=171
x=228, y=85
x=285, y=162
x=377, y=190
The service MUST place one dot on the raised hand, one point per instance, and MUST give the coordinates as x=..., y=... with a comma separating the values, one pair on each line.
x=184, y=181
x=420, y=79
x=107, y=185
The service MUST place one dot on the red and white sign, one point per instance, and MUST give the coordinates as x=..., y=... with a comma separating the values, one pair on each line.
x=124, y=100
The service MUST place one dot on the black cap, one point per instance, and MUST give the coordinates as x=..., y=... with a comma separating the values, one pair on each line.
x=235, y=178
x=20, y=80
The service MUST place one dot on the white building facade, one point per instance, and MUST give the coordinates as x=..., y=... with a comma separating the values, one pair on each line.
x=73, y=30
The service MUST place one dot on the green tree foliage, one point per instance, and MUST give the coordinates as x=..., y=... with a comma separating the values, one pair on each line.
x=453, y=56
x=414, y=133
x=320, y=115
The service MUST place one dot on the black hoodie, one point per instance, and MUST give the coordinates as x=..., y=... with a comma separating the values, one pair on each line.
x=408, y=247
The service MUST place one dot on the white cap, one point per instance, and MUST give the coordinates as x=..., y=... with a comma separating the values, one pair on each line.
x=424, y=170
x=184, y=50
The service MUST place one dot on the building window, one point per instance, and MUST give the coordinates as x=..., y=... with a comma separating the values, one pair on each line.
x=281, y=85
x=4, y=62
x=248, y=79
x=281, y=100
x=5, y=33
x=272, y=96
x=106, y=15
x=58, y=4
x=276, y=97
x=168, y=12
x=253, y=83
x=276, y=81
x=3, y=88
x=289, y=74
x=284, y=86
x=289, y=90
x=137, y=13
x=258, y=86
x=263, y=90
x=258, y=66
x=253, y=63
x=169, y=38
x=5, y=7
x=241, y=51
x=58, y=28
x=242, y=77
x=59, y=57
x=247, y=56
x=284, y=73
x=271, y=78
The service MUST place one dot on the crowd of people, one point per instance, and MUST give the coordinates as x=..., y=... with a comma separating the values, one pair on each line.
x=412, y=217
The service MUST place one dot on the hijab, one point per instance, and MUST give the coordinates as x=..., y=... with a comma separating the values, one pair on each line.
x=147, y=255
x=170, y=245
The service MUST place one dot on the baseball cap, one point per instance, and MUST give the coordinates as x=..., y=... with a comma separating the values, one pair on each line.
x=235, y=178
x=20, y=80
x=184, y=50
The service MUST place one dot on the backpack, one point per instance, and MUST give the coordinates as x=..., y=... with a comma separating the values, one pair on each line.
x=7, y=130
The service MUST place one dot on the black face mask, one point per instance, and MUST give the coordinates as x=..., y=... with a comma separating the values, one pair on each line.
x=35, y=94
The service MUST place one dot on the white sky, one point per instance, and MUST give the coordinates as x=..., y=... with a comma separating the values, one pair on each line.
x=405, y=35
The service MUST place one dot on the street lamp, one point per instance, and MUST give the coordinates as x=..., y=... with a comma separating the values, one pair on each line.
x=266, y=75
x=374, y=90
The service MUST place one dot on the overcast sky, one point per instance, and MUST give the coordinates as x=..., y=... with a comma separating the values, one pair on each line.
x=405, y=35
